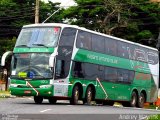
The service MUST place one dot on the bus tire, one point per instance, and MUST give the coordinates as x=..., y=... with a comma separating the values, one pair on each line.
x=133, y=100
x=141, y=100
x=75, y=96
x=52, y=100
x=38, y=99
x=89, y=95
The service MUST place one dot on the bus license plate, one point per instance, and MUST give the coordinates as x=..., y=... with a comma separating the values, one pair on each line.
x=27, y=92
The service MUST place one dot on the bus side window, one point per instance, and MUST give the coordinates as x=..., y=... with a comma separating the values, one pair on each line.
x=62, y=69
x=152, y=57
x=97, y=43
x=77, y=70
x=110, y=74
x=123, y=75
x=122, y=49
x=67, y=37
x=131, y=76
x=91, y=71
x=84, y=40
x=110, y=47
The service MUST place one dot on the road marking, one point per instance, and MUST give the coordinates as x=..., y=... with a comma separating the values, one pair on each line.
x=45, y=110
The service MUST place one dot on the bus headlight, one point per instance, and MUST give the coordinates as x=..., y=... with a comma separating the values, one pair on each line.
x=45, y=86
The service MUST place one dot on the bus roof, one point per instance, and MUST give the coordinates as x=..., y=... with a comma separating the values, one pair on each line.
x=87, y=30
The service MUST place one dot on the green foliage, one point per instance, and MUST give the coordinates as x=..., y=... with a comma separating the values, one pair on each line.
x=132, y=20
x=7, y=45
x=145, y=34
x=154, y=117
x=16, y=13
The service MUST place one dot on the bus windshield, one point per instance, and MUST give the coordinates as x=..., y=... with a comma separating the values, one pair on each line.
x=31, y=65
x=38, y=36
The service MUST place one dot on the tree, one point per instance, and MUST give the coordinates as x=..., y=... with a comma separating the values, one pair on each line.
x=124, y=19
x=14, y=14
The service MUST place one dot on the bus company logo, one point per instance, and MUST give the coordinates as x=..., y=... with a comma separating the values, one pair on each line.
x=142, y=58
x=102, y=59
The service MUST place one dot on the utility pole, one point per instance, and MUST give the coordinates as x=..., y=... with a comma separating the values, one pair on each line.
x=37, y=12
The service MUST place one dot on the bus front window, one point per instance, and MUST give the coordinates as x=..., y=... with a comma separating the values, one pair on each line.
x=32, y=66
x=32, y=37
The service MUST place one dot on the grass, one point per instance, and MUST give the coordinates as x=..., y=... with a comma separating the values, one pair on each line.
x=154, y=117
x=153, y=107
x=4, y=94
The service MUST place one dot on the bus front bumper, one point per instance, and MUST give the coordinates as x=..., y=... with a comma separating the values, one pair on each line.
x=46, y=92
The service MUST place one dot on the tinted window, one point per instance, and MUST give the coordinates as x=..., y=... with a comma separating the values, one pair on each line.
x=152, y=57
x=97, y=43
x=84, y=40
x=131, y=50
x=123, y=75
x=38, y=36
x=122, y=49
x=137, y=53
x=91, y=71
x=78, y=70
x=87, y=71
x=62, y=68
x=111, y=74
x=67, y=37
x=141, y=54
x=131, y=76
x=110, y=47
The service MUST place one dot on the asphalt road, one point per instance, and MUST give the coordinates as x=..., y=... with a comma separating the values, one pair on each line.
x=26, y=109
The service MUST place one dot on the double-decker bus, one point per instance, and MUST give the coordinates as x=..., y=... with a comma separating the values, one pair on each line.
x=57, y=61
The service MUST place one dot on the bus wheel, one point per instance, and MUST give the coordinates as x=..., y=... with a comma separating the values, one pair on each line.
x=75, y=96
x=133, y=100
x=52, y=100
x=141, y=100
x=38, y=99
x=89, y=95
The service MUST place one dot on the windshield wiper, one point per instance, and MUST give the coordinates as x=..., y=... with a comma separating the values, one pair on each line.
x=40, y=45
x=22, y=46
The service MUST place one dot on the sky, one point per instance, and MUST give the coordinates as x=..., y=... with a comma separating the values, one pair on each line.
x=63, y=2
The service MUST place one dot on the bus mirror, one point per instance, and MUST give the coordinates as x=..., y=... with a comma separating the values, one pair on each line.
x=4, y=57
x=51, y=59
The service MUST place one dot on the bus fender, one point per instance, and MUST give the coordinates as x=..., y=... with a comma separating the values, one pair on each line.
x=136, y=90
x=85, y=89
x=79, y=84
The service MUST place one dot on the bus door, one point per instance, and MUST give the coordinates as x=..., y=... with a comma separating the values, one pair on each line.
x=123, y=84
x=63, y=61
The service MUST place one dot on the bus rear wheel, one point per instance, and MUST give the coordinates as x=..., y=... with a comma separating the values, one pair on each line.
x=141, y=100
x=133, y=100
x=52, y=100
x=89, y=95
x=38, y=99
x=75, y=96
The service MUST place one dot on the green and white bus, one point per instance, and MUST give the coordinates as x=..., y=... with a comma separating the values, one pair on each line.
x=58, y=61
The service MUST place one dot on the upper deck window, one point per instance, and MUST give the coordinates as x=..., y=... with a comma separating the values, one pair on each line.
x=32, y=37
x=84, y=40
